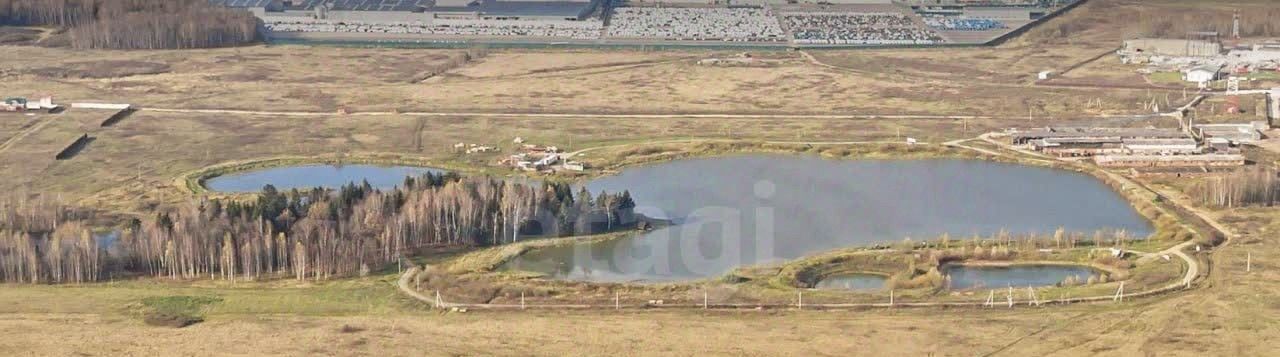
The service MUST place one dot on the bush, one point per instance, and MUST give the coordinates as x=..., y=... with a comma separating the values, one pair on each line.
x=176, y=311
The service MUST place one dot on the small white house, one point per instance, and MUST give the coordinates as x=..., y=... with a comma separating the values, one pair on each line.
x=1202, y=74
x=1043, y=75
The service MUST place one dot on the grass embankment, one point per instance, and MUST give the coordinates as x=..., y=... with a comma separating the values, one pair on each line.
x=913, y=270
x=621, y=157
x=490, y=259
x=476, y=277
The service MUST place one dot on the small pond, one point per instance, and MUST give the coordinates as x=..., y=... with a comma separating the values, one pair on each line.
x=1020, y=276
x=311, y=176
x=751, y=209
x=852, y=281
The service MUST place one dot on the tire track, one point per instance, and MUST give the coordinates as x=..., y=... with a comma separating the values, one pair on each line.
x=22, y=135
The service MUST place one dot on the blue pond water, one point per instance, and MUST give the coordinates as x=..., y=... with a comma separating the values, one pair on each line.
x=852, y=281
x=983, y=277
x=750, y=209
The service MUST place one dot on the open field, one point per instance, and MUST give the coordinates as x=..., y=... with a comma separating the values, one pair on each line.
x=270, y=78
x=131, y=168
x=1233, y=316
x=161, y=147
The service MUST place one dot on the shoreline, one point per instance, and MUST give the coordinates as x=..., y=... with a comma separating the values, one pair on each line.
x=1161, y=225
x=492, y=258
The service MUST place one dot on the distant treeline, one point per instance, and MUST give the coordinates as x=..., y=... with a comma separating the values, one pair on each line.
x=136, y=24
x=1241, y=188
x=315, y=234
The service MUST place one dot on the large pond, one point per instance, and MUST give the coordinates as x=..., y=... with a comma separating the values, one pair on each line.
x=311, y=176
x=986, y=277
x=743, y=210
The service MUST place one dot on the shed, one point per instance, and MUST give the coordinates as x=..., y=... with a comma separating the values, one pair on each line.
x=1202, y=74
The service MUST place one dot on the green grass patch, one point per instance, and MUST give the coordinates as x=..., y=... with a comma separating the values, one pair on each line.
x=1265, y=75
x=371, y=296
x=176, y=311
x=1166, y=77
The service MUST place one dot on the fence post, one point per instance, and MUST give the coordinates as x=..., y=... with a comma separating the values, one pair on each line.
x=800, y=300
x=704, y=299
x=890, y=297
x=521, y=300
x=617, y=302
x=438, y=301
x=1248, y=262
x=1009, y=296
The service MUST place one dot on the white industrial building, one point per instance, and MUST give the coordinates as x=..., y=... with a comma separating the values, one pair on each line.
x=1236, y=133
x=1202, y=74
x=1161, y=146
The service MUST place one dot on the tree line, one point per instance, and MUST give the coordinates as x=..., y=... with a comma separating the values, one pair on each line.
x=1240, y=188
x=316, y=234
x=136, y=24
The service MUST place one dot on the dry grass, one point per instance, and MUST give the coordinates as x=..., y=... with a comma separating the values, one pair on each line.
x=942, y=82
x=561, y=63
x=537, y=333
x=132, y=166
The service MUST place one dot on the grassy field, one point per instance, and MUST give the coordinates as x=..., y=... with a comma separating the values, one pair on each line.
x=131, y=168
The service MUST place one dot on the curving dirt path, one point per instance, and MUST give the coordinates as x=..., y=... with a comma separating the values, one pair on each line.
x=1193, y=265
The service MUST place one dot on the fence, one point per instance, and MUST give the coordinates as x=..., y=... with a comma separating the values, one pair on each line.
x=1007, y=298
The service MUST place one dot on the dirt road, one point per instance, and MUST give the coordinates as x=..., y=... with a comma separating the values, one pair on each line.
x=566, y=115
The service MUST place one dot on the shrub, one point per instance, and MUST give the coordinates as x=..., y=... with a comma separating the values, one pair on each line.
x=176, y=311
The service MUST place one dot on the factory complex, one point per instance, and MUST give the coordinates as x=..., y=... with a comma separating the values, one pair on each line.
x=777, y=22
